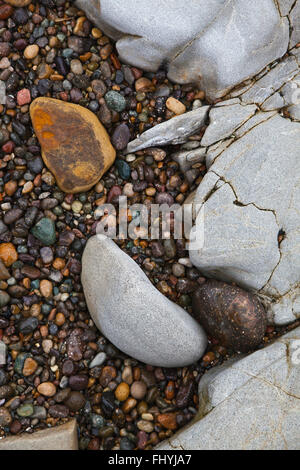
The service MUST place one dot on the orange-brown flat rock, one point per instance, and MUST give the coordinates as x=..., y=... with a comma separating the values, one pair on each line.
x=18, y=3
x=75, y=145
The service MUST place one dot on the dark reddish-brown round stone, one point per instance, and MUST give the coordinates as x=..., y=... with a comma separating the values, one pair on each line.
x=230, y=314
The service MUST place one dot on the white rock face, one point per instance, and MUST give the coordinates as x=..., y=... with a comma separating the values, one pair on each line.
x=217, y=43
x=250, y=404
x=132, y=313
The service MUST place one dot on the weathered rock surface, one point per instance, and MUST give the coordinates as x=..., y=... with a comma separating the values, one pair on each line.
x=251, y=196
x=228, y=313
x=249, y=404
x=62, y=437
x=218, y=43
x=132, y=313
x=75, y=145
x=175, y=131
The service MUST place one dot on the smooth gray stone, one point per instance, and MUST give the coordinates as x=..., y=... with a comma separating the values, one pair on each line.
x=132, y=313
x=98, y=360
x=2, y=92
x=216, y=43
x=248, y=404
x=250, y=194
x=3, y=350
x=175, y=131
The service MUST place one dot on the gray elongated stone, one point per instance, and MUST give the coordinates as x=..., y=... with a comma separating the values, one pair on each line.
x=62, y=437
x=3, y=350
x=132, y=313
x=250, y=194
x=175, y=131
x=224, y=120
x=187, y=158
x=248, y=404
x=216, y=43
x=2, y=92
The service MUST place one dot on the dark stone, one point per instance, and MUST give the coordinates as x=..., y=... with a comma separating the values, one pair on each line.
x=121, y=137
x=28, y=325
x=231, y=315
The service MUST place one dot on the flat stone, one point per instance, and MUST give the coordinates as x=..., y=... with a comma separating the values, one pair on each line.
x=132, y=313
x=215, y=43
x=258, y=399
x=75, y=145
x=18, y=3
x=231, y=116
x=250, y=194
x=62, y=437
x=175, y=131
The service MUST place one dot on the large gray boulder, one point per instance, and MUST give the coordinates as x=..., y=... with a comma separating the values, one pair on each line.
x=132, y=313
x=248, y=404
x=217, y=43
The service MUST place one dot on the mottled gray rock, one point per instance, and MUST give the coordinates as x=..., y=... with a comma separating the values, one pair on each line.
x=248, y=404
x=231, y=116
x=62, y=437
x=132, y=313
x=272, y=81
x=175, y=131
x=295, y=24
x=3, y=349
x=250, y=195
x=217, y=43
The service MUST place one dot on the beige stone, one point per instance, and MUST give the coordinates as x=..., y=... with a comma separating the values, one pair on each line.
x=62, y=437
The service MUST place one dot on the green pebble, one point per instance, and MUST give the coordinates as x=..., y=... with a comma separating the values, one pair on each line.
x=123, y=169
x=19, y=362
x=35, y=284
x=44, y=230
x=25, y=410
x=57, y=210
x=46, y=309
x=115, y=101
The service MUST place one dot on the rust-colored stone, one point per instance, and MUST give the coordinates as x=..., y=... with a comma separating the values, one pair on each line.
x=75, y=145
x=231, y=315
x=18, y=3
x=8, y=254
x=168, y=421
